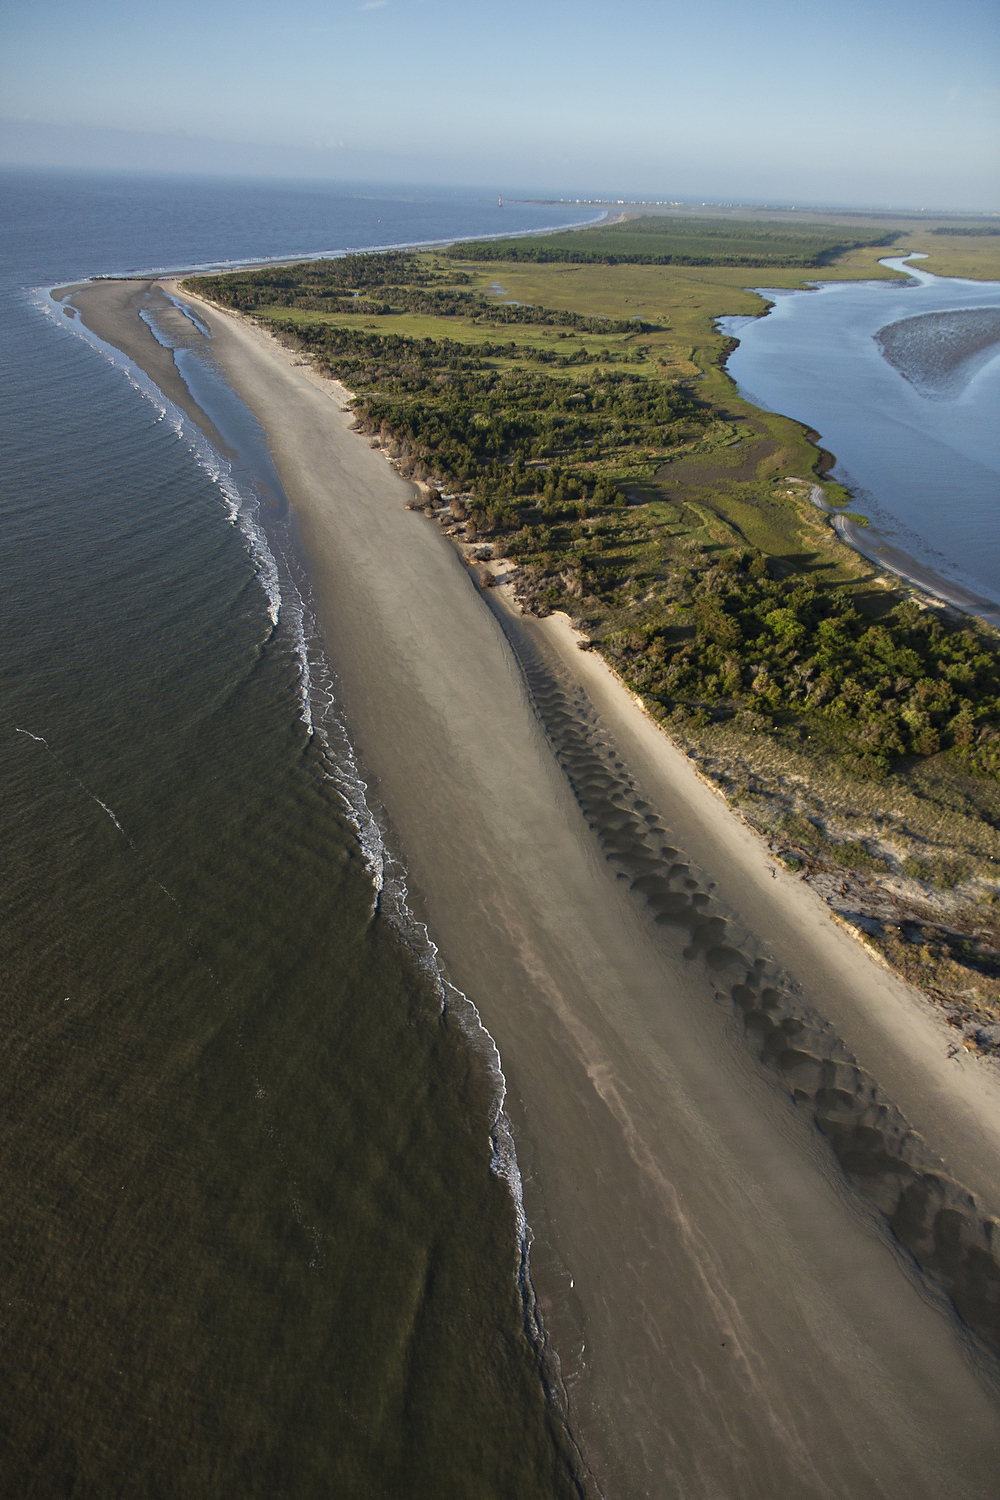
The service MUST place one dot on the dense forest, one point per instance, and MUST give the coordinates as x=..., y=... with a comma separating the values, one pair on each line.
x=342, y=276
x=661, y=240
x=471, y=417
x=738, y=640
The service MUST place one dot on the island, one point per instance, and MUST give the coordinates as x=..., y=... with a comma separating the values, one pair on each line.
x=619, y=692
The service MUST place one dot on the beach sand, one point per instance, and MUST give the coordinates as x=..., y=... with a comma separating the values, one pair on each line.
x=732, y=1317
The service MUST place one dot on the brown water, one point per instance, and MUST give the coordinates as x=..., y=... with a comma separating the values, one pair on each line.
x=252, y=1242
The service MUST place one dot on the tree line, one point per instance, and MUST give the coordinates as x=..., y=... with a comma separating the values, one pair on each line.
x=346, y=284
x=482, y=427
x=659, y=240
x=906, y=684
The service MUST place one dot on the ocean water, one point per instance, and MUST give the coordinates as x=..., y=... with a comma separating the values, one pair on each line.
x=901, y=379
x=257, y=1227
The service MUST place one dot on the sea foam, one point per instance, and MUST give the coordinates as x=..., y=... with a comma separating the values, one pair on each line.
x=238, y=495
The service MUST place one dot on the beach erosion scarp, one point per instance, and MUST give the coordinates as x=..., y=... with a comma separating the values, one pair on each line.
x=730, y=1316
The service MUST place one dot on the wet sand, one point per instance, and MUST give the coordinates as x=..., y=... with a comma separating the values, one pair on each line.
x=878, y=549
x=870, y=543
x=733, y=1317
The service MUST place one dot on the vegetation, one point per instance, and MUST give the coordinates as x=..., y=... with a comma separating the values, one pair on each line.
x=564, y=456
x=578, y=421
x=347, y=277
x=658, y=240
x=784, y=650
x=332, y=287
x=480, y=424
x=976, y=256
x=968, y=229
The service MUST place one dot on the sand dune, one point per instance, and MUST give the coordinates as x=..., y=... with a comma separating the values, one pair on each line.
x=733, y=1317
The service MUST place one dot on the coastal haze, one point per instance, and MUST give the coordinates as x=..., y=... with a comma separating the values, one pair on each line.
x=720, y=1312
x=770, y=102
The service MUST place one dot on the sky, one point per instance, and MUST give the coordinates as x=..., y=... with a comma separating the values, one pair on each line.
x=758, y=101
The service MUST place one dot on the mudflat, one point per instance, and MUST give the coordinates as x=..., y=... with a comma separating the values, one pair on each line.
x=731, y=1316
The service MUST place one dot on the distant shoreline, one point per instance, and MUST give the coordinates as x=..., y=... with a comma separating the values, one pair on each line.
x=222, y=268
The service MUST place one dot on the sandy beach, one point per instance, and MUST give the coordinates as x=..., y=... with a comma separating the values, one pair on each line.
x=733, y=1317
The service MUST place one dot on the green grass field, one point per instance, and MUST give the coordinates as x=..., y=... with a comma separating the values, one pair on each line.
x=461, y=330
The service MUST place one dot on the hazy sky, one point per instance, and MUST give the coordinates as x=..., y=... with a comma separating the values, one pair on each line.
x=757, y=100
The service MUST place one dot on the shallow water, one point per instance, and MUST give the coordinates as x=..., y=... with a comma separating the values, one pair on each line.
x=251, y=1237
x=902, y=382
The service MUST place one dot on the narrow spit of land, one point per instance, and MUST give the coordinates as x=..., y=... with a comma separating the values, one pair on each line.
x=729, y=1316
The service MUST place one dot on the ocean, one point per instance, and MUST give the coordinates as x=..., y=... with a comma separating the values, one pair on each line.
x=259, y=1221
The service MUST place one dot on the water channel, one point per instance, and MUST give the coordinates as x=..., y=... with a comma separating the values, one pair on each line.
x=901, y=379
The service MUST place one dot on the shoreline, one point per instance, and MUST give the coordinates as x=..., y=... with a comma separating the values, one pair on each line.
x=894, y=560
x=608, y=1067
x=224, y=267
